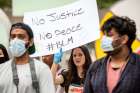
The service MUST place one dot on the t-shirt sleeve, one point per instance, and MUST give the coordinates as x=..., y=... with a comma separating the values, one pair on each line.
x=64, y=73
x=46, y=81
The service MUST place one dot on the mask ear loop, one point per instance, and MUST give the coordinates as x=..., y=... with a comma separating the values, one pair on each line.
x=35, y=82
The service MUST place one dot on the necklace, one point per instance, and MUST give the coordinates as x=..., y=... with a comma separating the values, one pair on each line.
x=118, y=66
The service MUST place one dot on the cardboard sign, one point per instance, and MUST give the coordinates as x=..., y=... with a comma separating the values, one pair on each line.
x=65, y=27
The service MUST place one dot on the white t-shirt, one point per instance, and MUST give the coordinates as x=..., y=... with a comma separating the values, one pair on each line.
x=43, y=73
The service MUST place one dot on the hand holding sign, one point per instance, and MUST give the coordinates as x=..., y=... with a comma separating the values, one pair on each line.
x=58, y=56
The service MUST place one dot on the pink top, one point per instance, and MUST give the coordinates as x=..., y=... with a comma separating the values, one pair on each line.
x=113, y=76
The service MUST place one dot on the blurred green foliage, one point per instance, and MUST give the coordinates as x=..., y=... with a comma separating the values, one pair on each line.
x=5, y=3
x=101, y=3
x=105, y=3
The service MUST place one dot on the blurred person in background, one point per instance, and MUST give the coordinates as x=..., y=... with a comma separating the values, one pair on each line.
x=3, y=54
x=73, y=78
x=48, y=59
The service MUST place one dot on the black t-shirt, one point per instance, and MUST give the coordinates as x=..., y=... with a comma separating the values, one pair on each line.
x=75, y=81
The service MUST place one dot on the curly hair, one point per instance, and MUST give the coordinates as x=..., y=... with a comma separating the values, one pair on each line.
x=123, y=26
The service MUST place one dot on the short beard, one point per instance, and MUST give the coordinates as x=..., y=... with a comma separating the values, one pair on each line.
x=114, y=52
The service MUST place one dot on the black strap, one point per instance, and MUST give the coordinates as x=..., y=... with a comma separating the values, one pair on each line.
x=35, y=82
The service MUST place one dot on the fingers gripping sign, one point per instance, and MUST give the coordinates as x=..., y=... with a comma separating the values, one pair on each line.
x=58, y=56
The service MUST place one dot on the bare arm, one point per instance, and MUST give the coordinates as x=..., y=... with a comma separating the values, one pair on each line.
x=58, y=79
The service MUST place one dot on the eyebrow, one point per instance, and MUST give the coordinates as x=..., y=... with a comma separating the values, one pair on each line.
x=17, y=35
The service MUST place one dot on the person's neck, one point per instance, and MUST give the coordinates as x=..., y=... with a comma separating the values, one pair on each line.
x=22, y=59
x=121, y=56
x=79, y=71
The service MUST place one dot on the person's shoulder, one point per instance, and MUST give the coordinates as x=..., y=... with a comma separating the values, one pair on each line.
x=6, y=66
x=94, y=65
x=135, y=57
x=64, y=73
x=40, y=65
x=98, y=61
x=6, y=63
x=136, y=54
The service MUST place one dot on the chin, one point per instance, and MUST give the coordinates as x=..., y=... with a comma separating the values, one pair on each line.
x=111, y=53
x=108, y=52
x=78, y=64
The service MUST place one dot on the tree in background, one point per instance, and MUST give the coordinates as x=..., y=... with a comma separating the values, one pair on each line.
x=101, y=3
x=105, y=3
x=5, y=3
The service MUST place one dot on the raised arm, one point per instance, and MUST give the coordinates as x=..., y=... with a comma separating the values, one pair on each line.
x=58, y=79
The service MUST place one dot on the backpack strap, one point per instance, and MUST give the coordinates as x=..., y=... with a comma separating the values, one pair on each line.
x=15, y=75
x=35, y=82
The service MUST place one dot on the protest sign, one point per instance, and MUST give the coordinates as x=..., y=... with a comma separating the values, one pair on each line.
x=68, y=26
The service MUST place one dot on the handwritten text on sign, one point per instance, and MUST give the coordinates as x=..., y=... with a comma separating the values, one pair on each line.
x=68, y=27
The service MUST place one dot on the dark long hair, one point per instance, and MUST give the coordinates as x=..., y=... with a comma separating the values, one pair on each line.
x=6, y=56
x=72, y=69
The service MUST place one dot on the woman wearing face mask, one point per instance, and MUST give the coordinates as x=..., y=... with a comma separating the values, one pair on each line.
x=119, y=71
x=23, y=74
x=3, y=54
x=73, y=79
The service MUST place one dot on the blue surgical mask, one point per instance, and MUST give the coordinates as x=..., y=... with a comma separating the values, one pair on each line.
x=17, y=47
x=106, y=44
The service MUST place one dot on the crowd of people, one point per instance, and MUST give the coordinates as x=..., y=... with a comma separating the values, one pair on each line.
x=117, y=72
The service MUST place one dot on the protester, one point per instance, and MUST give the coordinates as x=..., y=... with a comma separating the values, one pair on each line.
x=3, y=54
x=73, y=79
x=119, y=71
x=23, y=74
x=48, y=59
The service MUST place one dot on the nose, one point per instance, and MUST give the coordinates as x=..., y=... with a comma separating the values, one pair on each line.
x=77, y=57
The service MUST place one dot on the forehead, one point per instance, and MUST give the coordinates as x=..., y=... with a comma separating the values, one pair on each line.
x=112, y=32
x=18, y=31
x=1, y=52
x=77, y=50
x=48, y=56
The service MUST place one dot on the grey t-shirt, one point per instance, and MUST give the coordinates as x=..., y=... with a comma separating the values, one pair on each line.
x=43, y=72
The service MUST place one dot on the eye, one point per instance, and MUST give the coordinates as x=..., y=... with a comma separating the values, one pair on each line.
x=20, y=36
x=80, y=54
x=74, y=55
x=12, y=36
